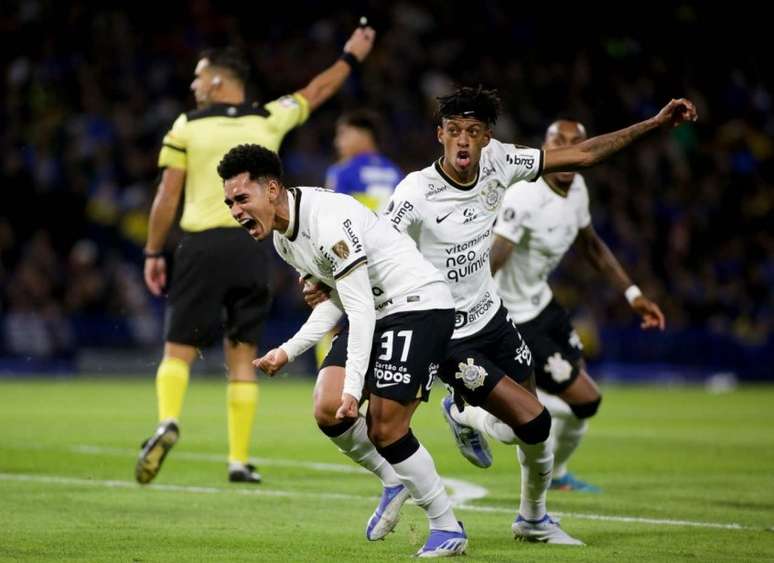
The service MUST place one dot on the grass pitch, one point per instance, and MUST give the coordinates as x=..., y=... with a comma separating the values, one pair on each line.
x=685, y=476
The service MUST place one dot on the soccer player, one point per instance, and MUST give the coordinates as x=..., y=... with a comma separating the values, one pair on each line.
x=449, y=208
x=362, y=171
x=537, y=224
x=401, y=315
x=211, y=284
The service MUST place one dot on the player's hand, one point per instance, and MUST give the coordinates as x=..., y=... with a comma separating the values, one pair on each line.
x=651, y=314
x=156, y=274
x=271, y=362
x=361, y=42
x=677, y=112
x=348, y=408
x=314, y=293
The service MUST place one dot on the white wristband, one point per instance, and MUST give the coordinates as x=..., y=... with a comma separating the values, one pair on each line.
x=632, y=292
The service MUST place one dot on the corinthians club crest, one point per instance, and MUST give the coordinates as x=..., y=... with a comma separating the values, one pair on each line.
x=491, y=194
x=471, y=375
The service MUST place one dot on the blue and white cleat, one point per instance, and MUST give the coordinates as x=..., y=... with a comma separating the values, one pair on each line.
x=570, y=483
x=442, y=543
x=387, y=514
x=545, y=530
x=470, y=442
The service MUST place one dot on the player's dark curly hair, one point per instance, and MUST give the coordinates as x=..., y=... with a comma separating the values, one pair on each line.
x=258, y=161
x=232, y=59
x=468, y=101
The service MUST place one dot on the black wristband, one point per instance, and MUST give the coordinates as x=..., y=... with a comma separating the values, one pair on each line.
x=152, y=254
x=351, y=60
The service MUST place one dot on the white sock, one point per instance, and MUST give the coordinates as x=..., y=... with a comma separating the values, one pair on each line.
x=486, y=423
x=536, y=462
x=567, y=431
x=354, y=443
x=536, y=459
x=418, y=473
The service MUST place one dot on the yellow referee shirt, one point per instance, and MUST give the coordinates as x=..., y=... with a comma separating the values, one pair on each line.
x=199, y=139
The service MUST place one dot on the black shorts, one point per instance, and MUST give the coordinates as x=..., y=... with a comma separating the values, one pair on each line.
x=406, y=352
x=475, y=364
x=556, y=347
x=220, y=285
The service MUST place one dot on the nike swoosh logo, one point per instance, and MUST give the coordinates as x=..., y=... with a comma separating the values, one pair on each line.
x=541, y=474
x=380, y=385
x=441, y=219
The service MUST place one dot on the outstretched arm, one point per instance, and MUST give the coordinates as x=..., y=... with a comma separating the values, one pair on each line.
x=602, y=258
x=323, y=319
x=596, y=149
x=329, y=81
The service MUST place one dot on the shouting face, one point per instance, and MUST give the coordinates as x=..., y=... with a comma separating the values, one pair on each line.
x=253, y=203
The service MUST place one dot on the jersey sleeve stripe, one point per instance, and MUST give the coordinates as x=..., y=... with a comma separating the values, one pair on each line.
x=350, y=267
x=304, y=104
x=173, y=147
x=539, y=167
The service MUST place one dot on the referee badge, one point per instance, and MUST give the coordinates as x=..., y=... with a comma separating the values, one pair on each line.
x=471, y=375
x=341, y=249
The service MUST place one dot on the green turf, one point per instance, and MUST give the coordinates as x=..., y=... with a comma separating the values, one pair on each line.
x=677, y=454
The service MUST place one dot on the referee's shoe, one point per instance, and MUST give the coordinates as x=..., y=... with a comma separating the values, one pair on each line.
x=243, y=473
x=154, y=450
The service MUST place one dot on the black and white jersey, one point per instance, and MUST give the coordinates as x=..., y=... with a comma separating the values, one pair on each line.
x=452, y=224
x=332, y=233
x=542, y=225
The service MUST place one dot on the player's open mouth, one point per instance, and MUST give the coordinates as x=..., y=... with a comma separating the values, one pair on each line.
x=251, y=226
x=463, y=159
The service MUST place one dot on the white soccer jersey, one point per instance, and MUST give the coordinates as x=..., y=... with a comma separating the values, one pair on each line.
x=333, y=233
x=542, y=225
x=452, y=225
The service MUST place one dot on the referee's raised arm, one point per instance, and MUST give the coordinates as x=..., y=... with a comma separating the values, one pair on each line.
x=329, y=81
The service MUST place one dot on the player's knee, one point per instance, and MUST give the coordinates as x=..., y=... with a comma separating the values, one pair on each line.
x=586, y=410
x=380, y=433
x=399, y=450
x=536, y=430
x=325, y=413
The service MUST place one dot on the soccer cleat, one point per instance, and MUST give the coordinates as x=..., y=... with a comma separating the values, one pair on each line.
x=570, y=483
x=386, y=516
x=154, y=450
x=545, y=530
x=471, y=442
x=243, y=473
x=442, y=543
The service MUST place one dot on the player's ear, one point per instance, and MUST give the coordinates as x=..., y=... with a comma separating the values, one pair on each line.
x=439, y=133
x=271, y=189
x=486, y=137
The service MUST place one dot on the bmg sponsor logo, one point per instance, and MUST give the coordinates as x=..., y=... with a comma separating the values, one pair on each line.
x=518, y=160
x=353, y=238
x=397, y=216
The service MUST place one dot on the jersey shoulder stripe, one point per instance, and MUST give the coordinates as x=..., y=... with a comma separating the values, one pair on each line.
x=229, y=110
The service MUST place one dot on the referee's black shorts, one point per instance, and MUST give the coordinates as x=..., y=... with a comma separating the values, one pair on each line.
x=220, y=285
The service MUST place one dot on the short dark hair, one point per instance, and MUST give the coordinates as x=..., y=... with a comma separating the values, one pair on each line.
x=467, y=101
x=229, y=58
x=363, y=119
x=256, y=160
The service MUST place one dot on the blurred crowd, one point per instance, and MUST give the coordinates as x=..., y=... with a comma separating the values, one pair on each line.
x=88, y=91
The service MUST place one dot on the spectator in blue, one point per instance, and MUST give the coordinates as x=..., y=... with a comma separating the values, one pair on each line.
x=362, y=171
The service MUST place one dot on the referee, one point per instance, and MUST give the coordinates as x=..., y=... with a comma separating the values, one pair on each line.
x=214, y=288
